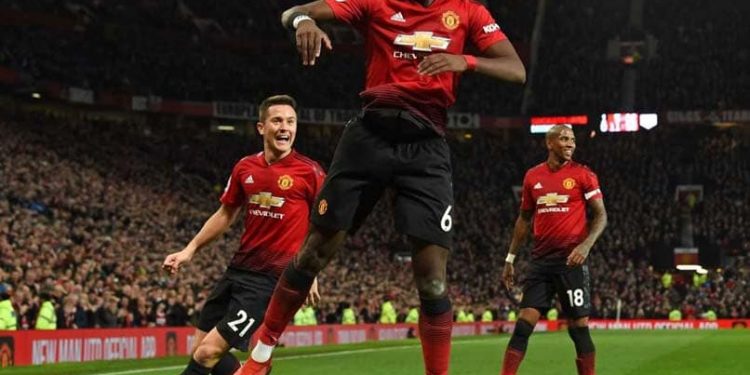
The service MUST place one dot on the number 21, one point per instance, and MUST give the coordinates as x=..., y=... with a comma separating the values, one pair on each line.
x=235, y=323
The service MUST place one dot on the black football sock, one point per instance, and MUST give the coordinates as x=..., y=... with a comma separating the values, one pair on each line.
x=227, y=365
x=195, y=368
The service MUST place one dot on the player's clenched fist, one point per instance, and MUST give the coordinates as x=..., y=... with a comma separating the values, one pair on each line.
x=442, y=62
x=309, y=41
x=173, y=261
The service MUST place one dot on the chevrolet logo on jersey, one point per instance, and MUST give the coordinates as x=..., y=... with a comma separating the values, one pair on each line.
x=422, y=41
x=266, y=200
x=551, y=199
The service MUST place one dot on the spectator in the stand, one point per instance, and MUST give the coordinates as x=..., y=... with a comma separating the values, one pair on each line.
x=107, y=312
x=47, y=318
x=8, y=316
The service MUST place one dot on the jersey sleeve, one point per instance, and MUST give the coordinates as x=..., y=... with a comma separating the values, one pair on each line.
x=234, y=194
x=316, y=183
x=352, y=12
x=483, y=29
x=527, y=201
x=590, y=185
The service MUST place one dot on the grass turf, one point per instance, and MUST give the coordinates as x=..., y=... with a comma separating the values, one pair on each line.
x=618, y=353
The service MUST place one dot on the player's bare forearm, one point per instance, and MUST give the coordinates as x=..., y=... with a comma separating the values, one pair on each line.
x=501, y=61
x=598, y=221
x=520, y=231
x=317, y=10
x=214, y=227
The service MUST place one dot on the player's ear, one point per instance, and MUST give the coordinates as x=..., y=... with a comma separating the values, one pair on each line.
x=260, y=127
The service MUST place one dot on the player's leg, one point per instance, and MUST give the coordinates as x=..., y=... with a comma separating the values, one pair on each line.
x=293, y=287
x=348, y=195
x=213, y=311
x=436, y=314
x=209, y=352
x=538, y=290
x=197, y=338
x=519, y=341
x=575, y=298
x=424, y=203
x=226, y=365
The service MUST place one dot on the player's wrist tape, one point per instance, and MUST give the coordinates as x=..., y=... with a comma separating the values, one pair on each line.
x=471, y=63
x=510, y=258
x=297, y=19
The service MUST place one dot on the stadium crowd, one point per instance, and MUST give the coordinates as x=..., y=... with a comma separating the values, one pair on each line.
x=195, y=50
x=87, y=224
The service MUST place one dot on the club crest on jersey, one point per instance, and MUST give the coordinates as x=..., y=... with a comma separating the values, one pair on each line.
x=322, y=207
x=285, y=182
x=552, y=199
x=266, y=200
x=450, y=20
x=569, y=183
x=423, y=41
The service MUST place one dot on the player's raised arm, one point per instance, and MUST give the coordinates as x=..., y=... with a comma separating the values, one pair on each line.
x=596, y=228
x=309, y=36
x=502, y=62
x=520, y=232
x=215, y=226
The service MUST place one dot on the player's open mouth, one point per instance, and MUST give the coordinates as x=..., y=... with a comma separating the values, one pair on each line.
x=283, y=138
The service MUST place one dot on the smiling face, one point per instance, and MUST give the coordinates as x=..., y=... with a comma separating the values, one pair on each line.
x=561, y=143
x=278, y=128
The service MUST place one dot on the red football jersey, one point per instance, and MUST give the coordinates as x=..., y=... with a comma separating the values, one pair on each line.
x=558, y=199
x=399, y=33
x=277, y=200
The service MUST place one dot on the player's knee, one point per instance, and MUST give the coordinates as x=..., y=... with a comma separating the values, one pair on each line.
x=207, y=353
x=530, y=315
x=431, y=287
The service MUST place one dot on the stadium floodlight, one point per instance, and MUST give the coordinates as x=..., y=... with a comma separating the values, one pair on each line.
x=689, y=267
x=36, y=95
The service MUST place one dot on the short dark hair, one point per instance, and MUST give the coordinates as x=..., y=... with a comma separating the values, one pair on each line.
x=275, y=100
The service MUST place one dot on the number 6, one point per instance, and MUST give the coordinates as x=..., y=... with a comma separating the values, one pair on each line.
x=446, y=222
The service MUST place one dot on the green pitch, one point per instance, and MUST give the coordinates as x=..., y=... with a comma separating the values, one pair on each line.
x=618, y=353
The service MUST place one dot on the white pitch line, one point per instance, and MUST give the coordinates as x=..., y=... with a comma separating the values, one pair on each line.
x=292, y=357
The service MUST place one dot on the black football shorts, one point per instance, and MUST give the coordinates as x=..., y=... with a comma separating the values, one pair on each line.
x=385, y=149
x=237, y=305
x=547, y=277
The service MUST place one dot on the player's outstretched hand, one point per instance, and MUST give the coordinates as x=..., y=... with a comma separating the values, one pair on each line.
x=442, y=62
x=310, y=39
x=578, y=255
x=313, y=297
x=173, y=261
x=508, y=275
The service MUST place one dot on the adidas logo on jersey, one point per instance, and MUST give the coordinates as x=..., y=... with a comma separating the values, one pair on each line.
x=538, y=186
x=249, y=179
x=398, y=17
